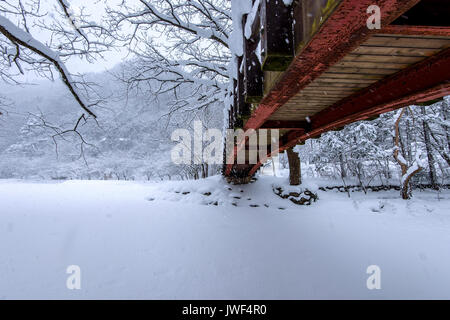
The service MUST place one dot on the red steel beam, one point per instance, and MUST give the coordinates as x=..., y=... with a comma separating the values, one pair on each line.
x=344, y=31
x=286, y=125
x=415, y=30
x=430, y=94
x=290, y=136
x=424, y=75
x=293, y=135
x=425, y=81
x=296, y=137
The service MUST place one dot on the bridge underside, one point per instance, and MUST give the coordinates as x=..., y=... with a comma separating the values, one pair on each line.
x=345, y=72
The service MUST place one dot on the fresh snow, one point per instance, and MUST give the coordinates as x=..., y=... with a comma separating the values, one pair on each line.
x=239, y=8
x=409, y=172
x=28, y=39
x=170, y=240
x=251, y=19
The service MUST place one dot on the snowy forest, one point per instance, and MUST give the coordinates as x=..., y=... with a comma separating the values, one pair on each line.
x=132, y=141
x=122, y=130
x=93, y=206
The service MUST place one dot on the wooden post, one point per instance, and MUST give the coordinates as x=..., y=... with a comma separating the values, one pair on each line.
x=277, y=37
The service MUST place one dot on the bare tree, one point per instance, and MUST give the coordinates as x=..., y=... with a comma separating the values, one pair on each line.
x=3, y=104
x=408, y=171
x=177, y=46
x=62, y=134
x=428, y=148
x=66, y=34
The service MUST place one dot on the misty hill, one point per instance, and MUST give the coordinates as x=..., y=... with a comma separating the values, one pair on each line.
x=130, y=140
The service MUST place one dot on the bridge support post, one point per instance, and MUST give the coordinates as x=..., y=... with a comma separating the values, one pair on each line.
x=240, y=174
x=294, y=167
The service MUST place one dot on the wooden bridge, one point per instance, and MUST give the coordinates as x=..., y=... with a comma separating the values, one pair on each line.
x=316, y=66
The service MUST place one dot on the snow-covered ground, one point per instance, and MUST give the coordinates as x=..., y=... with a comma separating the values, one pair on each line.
x=174, y=240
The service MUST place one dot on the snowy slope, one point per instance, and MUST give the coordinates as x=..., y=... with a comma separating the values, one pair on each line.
x=149, y=240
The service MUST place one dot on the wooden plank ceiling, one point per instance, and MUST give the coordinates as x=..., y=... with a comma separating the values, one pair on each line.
x=380, y=56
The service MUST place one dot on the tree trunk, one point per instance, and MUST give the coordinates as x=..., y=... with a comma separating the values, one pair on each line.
x=342, y=165
x=204, y=167
x=431, y=162
x=294, y=167
x=444, y=109
x=439, y=149
x=405, y=187
x=406, y=173
x=408, y=143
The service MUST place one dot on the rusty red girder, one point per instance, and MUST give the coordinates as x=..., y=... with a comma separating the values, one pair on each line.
x=343, y=32
x=424, y=75
x=426, y=95
x=284, y=141
x=295, y=137
x=425, y=81
x=416, y=30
